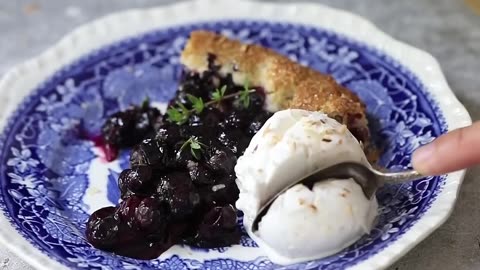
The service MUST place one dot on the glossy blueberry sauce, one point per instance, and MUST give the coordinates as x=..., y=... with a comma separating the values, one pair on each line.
x=174, y=193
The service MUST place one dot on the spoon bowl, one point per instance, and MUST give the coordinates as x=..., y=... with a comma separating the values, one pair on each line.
x=367, y=177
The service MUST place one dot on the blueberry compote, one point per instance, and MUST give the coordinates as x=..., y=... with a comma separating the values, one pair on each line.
x=180, y=187
x=128, y=128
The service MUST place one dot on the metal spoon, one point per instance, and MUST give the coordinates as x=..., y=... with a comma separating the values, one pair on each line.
x=368, y=178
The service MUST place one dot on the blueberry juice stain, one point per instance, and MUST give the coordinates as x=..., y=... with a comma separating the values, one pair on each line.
x=180, y=187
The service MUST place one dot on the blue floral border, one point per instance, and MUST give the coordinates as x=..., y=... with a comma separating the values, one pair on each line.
x=6, y=136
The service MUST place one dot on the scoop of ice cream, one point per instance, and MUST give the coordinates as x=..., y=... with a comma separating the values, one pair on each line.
x=304, y=224
x=291, y=145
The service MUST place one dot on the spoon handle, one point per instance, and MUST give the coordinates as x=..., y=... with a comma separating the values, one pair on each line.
x=399, y=177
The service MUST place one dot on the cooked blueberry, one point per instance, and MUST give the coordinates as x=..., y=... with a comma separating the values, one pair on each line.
x=236, y=120
x=138, y=157
x=171, y=194
x=258, y=122
x=196, y=128
x=150, y=152
x=231, y=87
x=129, y=127
x=255, y=104
x=199, y=174
x=221, y=217
x=126, y=194
x=102, y=228
x=212, y=67
x=183, y=156
x=150, y=215
x=196, y=85
x=211, y=117
x=142, y=177
x=255, y=127
x=136, y=179
x=118, y=128
x=217, y=228
x=100, y=214
x=235, y=140
x=126, y=210
x=195, y=120
x=177, y=190
x=168, y=133
x=123, y=181
x=181, y=97
x=221, y=159
x=165, y=135
x=142, y=123
x=224, y=191
x=257, y=100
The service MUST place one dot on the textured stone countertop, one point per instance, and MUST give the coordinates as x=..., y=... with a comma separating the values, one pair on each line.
x=448, y=29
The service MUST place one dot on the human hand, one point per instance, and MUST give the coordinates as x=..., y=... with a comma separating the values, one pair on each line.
x=455, y=150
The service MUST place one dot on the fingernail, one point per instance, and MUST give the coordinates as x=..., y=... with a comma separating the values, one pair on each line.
x=421, y=158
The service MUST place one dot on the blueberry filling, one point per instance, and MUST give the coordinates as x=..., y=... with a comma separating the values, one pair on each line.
x=129, y=127
x=180, y=187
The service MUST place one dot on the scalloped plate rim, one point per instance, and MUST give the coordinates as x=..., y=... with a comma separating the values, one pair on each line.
x=69, y=48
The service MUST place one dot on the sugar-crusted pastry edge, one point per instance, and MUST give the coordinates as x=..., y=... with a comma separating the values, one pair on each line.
x=287, y=84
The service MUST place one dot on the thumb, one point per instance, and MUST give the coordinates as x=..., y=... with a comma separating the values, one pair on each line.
x=458, y=149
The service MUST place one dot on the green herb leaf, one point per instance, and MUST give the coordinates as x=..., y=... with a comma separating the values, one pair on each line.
x=178, y=115
x=245, y=99
x=174, y=115
x=246, y=85
x=245, y=94
x=195, y=147
x=197, y=103
x=217, y=96
x=146, y=103
x=185, y=144
x=182, y=107
x=195, y=153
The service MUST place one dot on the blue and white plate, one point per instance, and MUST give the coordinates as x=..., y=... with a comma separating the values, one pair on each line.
x=51, y=179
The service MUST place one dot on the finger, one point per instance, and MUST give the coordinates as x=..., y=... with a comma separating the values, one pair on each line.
x=450, y=152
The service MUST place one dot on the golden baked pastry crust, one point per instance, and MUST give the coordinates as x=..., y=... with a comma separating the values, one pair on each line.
x=287, y=83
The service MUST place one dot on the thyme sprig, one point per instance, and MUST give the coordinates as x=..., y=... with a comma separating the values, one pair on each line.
x=219, y=94
x=179, y=114
x=245, y=94
x=196, y=147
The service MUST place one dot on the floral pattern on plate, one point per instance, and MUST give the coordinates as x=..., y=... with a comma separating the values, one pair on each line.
x=52, y=177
